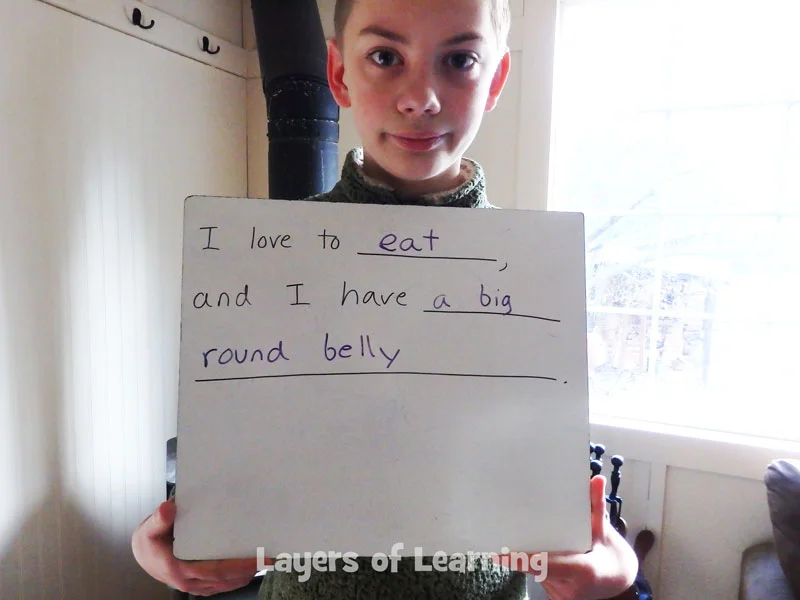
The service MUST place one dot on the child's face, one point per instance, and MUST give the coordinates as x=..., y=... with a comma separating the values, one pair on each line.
x=419, y=75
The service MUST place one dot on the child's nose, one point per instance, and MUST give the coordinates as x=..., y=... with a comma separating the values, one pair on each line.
x=419, y=96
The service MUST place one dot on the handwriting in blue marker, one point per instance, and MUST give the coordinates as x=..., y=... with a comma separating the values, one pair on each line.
x=503, y=300
x=389, y=243
x=335, y=352
x=226, y=356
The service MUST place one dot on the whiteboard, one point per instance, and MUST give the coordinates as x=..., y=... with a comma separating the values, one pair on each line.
x=353, y=376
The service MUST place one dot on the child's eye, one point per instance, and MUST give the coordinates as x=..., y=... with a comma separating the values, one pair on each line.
x=384, y=58
x=461, y=61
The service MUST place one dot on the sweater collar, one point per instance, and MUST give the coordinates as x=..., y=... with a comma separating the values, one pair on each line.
x=360, y=187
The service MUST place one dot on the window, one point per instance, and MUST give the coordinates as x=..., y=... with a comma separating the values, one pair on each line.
x=677, y=133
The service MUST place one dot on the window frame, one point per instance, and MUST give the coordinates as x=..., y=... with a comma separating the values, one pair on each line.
x=661, y=443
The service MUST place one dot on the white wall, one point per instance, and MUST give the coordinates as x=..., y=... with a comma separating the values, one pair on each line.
x=103, y=135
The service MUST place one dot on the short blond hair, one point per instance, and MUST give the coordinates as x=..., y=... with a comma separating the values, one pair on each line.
x=501, y=19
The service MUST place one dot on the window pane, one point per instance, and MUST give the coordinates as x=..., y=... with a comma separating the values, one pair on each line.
x=724, y=375
x=620, y=260
x=725, y=52
x=786, y=260
x=726, y=160
x=791, y=172
x=620, y=162
x=713, y=374
x=677, y=134
x=720, y=265
x=618, y=355
x=626, y=34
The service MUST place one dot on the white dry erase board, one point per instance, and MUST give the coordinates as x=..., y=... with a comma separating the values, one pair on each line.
x=354, y=376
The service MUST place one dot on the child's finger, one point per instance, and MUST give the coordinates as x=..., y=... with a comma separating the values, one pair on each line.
x=161, y=521
x=557, y=590
x=564, y=566
x=221, y=570
x=597, y=493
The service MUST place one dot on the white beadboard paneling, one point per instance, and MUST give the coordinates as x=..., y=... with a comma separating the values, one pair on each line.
x=11, y=504
x=538, y=28
x=103, y=135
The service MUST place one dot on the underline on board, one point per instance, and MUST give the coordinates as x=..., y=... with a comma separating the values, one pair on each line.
x=426, y=257
x=487, y=312
x=479, y=375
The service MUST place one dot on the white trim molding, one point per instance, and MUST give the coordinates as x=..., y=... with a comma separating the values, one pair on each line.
x=537, y=27
x=168, y=33
x=696, y=449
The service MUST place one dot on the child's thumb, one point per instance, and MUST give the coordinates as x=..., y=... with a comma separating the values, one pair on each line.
x=597, y=492
x=162, y=519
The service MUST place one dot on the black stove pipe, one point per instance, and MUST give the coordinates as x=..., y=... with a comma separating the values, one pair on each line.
x=303, y=118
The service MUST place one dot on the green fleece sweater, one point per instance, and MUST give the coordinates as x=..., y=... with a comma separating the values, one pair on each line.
x=486, y=581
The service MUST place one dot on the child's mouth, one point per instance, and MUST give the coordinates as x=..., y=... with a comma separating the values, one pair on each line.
x=417, y=142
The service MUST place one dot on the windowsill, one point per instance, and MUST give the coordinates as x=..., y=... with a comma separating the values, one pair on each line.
x=684, y=447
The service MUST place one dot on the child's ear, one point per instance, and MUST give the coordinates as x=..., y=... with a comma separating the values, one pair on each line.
x=498, y=81
x=336, y=75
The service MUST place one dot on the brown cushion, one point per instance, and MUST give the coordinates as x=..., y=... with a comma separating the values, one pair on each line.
x=783, y=494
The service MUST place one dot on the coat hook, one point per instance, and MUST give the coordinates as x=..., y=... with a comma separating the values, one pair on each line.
x=206, y=44
x=137, y=20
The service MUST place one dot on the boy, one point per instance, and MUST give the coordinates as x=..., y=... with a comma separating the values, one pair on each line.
x=419, y=75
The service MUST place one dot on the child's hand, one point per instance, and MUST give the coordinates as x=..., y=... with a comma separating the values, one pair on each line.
x=152, y=546
x=604, y=572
